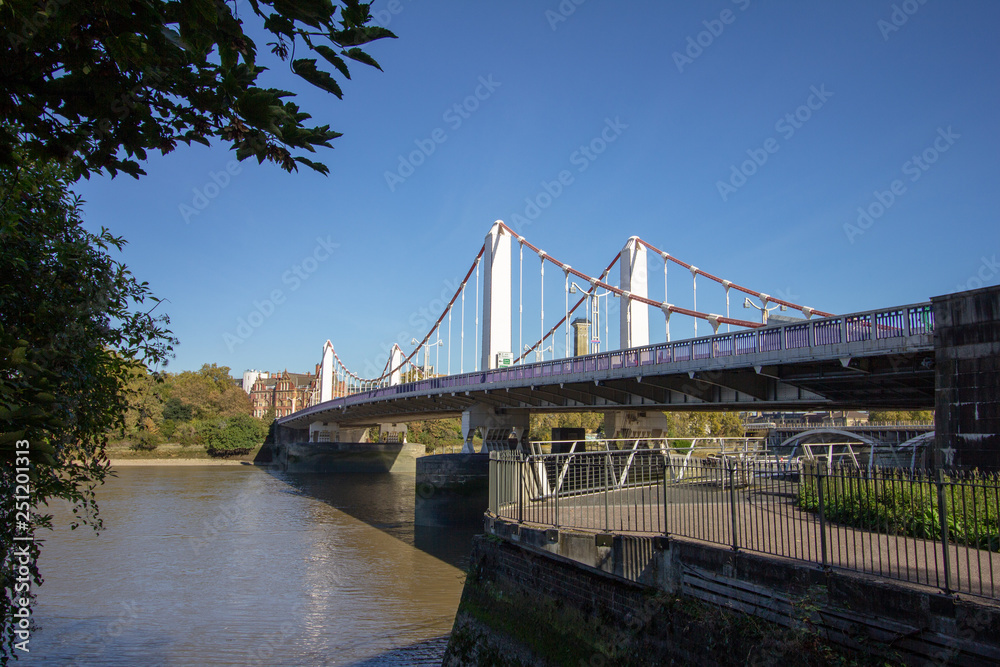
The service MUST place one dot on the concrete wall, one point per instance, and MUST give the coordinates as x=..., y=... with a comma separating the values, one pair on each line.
x=967, y=378
x=537, y=597
x=347, y=457
x=452, y=489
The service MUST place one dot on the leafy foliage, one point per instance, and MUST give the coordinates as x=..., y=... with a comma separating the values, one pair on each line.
x=901, y=504
x=901, y=417
x=85, y=82
x=75, y=325
x=233, y=435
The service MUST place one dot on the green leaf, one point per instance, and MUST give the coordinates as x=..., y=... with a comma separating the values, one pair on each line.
x=362, y=57
x=331, y=57
x=306, y=68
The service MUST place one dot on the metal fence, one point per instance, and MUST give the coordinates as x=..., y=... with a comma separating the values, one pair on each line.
x=939, y=530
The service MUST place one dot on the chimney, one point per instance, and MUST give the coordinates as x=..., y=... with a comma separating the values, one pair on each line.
x=581, y=337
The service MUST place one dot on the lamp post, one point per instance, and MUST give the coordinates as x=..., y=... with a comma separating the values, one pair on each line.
x=539, y=353
x=764, y=310
x=427, y=352
x=595, y=312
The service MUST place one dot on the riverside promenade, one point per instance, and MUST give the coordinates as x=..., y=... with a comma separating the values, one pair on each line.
x=754, y=509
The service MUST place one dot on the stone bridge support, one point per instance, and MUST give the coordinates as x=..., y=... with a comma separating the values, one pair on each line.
x=967, y=378
x=631, y=424
x=499, y=431
x=332, y=432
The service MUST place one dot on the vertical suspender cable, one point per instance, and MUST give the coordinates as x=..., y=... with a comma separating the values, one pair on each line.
x=461, y=359
x=449, y=340
x=694, y=285
x=541, y=327
x=475, y=341
x=665, y=291
x=520, y=299
x=566, y=355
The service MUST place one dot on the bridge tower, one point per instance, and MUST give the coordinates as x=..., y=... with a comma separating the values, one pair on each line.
x=326, y=373
x=634, y=315
x=496, y=295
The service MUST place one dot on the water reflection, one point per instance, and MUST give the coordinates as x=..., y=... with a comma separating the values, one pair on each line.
x=238, y=566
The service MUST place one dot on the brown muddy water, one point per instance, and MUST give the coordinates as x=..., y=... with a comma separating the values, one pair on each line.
x=220, y=565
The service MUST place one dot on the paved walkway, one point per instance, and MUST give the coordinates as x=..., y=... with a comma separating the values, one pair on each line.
x=768, y=522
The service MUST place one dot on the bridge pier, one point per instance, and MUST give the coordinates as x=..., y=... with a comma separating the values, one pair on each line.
x=967, y=378
x=633, y=424
x=332, y=432
x=499, y=431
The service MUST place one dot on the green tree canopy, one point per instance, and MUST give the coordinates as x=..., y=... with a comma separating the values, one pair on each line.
x=74, y=326
x=100, y=84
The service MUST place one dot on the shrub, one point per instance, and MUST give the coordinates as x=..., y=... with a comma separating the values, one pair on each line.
x=232, y=436
x=901, y=504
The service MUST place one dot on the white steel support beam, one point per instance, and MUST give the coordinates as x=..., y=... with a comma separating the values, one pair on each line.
x=496, y=295
x=396, y=366
x=326, y=373
x=634, y=331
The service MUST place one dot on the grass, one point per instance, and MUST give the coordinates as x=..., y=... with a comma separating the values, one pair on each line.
x=899, y=503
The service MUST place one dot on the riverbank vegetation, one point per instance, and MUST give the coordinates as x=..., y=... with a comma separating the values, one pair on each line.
x=204, y=408
x=904, y=503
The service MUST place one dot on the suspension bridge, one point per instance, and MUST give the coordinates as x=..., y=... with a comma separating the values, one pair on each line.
x=883, y=358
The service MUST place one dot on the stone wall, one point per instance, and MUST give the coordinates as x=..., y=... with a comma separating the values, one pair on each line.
x=537, y=597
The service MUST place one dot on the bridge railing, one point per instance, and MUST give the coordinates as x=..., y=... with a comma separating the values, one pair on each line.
x=900, y=321
x=917, y=319
x=936, y=530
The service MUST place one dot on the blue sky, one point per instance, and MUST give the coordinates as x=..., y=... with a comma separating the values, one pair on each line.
x=834, y=101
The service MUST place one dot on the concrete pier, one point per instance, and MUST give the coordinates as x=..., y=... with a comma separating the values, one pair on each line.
x=347, y=457
x=452, y=489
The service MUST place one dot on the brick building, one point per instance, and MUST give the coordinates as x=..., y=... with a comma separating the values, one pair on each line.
x=285, y=392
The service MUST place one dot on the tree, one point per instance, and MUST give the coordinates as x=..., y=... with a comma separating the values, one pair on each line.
x=208, y=393
x=83, y=82
x=235, y=435
x=74, y=326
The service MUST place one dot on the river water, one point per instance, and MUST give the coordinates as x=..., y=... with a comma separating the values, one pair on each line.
x=236, y=565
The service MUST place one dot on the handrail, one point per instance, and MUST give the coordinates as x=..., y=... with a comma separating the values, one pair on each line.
x=873, y=325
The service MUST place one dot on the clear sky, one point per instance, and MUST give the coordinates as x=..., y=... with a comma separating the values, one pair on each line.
x=887, y=107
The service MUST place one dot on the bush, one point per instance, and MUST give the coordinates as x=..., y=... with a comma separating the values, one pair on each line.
x=145, y=441
x=232, y=436
x=900, y=504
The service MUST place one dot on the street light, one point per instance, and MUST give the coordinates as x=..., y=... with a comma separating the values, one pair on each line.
x=595, y=312
x=747, y=303
x=427, y=352
x=539, y=352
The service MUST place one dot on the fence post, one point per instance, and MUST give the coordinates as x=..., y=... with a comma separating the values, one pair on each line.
x=820, y=475
x=732, y=502
x=555, y=490
x=520, y=489
x=666, y=504
x=607, y=458
x=943, y=514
